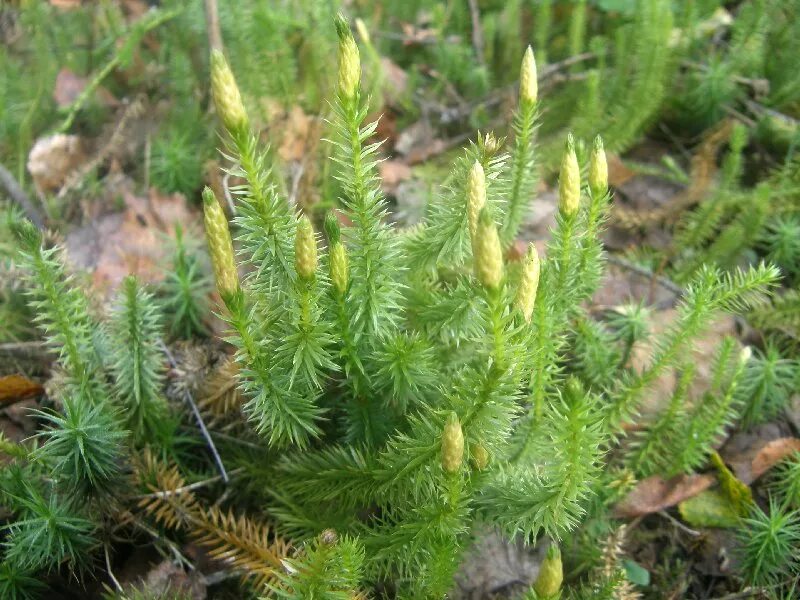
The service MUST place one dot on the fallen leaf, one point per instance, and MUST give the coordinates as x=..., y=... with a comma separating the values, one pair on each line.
x=296, y=127
x=416, y=138
x=392, y=172
x=618, y=173
x=17, y=387
x=709, y=509
x=654, y=494
x=131, y=242
x=70, y=85
x=395, y=81
x=65, y=4
x=53, y=159
x=754, y=462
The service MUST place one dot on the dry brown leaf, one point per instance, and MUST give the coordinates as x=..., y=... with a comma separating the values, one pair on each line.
x=296, y=128
x=69, y=86
x=655, y=493
x=53, y=159
x=17, y=387
x=618, y=173
x=395, y=83
x=65, y=4
x=392, y=172
x=754, y=462
x=132, y=242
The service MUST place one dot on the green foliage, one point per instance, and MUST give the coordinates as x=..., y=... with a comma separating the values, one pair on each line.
x=408, y=400
x=327, y=568
x=82, y=446
x=401, y=393
x=136, y=359
x=707, y=294
x=769, y=542
x=175, y=164
x=768, y=382
x=185, y=291
x=781, y=240
x=786, y=481
x=62, y=312
x=17, y=583
x=49, y=534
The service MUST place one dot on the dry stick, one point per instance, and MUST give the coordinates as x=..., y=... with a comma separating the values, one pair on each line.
x=179, y=556
x=212, y=25
x=30, y=350
x=203, y=429
x=477, y=32
x=162, y=494
x=110, y=572
x=19, y=196
x=548, y=76
x=644, y=272
x=678, y=524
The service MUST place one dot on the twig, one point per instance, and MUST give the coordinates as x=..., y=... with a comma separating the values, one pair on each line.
x=220, y=576
x=477, y=32
x=19, y=196
x=212, y=25
x=186, y=488
x=179, y=556
x=156, y=19
x=133, y=110
x=227, y=193
x=203, y=429
x=297, y=175
x=548, y=76
x=110, y=572
x=661, y=280
x=555, y=67
x=751, y=592
x=30, y=350
x=678, y=524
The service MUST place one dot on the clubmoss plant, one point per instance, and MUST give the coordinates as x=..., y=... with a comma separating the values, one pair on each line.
x=418, y=375
x=399, y=388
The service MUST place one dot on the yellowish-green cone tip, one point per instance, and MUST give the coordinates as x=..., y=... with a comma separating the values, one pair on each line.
x=487, y=253
x=746, y=354
x=569, y=181
x=220, y=246
x=452, y=444
x=349, y=60
x=528, y=283
x=528, y=83
x=551, y=574
x=489, y=145
x=226, y=95
x=598, y=169
x=362, y=30
x=339, y=267
x=26, y=234
x=476, y=196
x=480, y=456
x=305, y=249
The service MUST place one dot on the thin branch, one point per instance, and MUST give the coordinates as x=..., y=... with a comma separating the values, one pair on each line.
x=18, y=195
x=179, y=556
x=187, y=488
x=678, y=524
x=477, y=32
x=203, y=429
x=110, y=572
x=644, y=272
x=226, y=191
x=28, y=350
x=212, y=25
